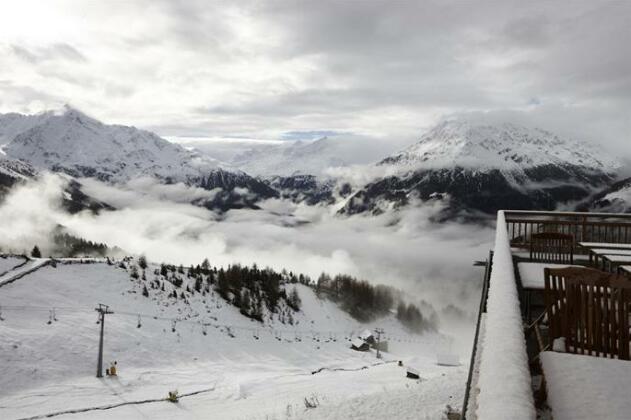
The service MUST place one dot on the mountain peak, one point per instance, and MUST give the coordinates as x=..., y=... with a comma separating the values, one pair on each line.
x=68, y=140
x=70, y=113
x=505, y=145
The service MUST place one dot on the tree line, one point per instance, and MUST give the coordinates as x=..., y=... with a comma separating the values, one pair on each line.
x=249, y=288
x=253, y=289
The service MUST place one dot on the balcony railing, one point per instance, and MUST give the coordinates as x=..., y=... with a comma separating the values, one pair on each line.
x=585, y=227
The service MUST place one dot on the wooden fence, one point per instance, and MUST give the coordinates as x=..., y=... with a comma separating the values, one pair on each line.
x=585, y=227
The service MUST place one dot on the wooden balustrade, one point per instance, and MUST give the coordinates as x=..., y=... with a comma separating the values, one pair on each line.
x=584, y=227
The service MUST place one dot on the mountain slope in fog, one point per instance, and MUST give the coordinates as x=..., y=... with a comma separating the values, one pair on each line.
x=616, y=199
x=310, y=157
x=294, y=158
x=73, y=143
x=483, y=168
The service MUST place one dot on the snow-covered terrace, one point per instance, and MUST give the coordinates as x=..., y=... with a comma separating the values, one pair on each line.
x=501, y=380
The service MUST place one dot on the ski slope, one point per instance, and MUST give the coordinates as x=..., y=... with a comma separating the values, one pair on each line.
x=49, y=369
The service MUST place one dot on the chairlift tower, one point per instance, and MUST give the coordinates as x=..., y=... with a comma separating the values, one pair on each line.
x=102, y=310
x=379, y=331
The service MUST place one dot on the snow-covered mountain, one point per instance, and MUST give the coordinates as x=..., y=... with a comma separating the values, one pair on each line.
x=505, y=146
x=73, y=143
x=482, y=167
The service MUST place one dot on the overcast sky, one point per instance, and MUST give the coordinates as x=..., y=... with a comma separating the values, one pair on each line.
x=276, y=69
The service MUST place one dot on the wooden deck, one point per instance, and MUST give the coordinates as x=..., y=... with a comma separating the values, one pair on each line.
x=601, y=241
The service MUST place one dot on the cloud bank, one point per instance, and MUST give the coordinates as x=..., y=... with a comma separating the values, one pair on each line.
x=402, y=249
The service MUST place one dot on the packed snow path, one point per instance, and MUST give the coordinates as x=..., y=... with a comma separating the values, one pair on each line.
x=22, y=270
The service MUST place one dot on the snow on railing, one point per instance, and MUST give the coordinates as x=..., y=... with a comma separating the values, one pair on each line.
x=504, y=381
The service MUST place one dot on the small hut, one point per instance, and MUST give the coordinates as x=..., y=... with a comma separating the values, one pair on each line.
x=368, y=337
x=359, y=345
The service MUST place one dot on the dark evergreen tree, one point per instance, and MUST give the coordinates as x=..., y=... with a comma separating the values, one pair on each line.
x=205, y=266
x=245, y=303
x=36, y=253
x=142, y=262
x=294, y=300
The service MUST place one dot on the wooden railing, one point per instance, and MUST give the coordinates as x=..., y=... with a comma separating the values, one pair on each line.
x=476, y=341
x=585, y=227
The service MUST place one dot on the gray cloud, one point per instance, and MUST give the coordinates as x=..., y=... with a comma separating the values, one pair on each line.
x=384, y=69
x=59, y=51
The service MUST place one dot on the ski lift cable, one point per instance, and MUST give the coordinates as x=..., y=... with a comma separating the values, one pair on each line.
x=139, y=316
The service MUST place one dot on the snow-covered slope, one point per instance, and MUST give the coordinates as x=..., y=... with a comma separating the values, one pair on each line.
x=13, y=171
x=506, y=146
x=237, y=368
x=71, y=142
x=16, y=169
x=302, y=157
x=484, y=168
x=12, y=124
x=616, y=199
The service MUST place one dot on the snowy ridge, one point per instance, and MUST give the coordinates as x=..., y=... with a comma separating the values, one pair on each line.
x=70, y=141
x=13, y=124
x=506, y=146
x=504, y=381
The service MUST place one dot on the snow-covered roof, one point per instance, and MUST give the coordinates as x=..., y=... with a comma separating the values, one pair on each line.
x=504, y=382
x=366, y=334
x=357, y=342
